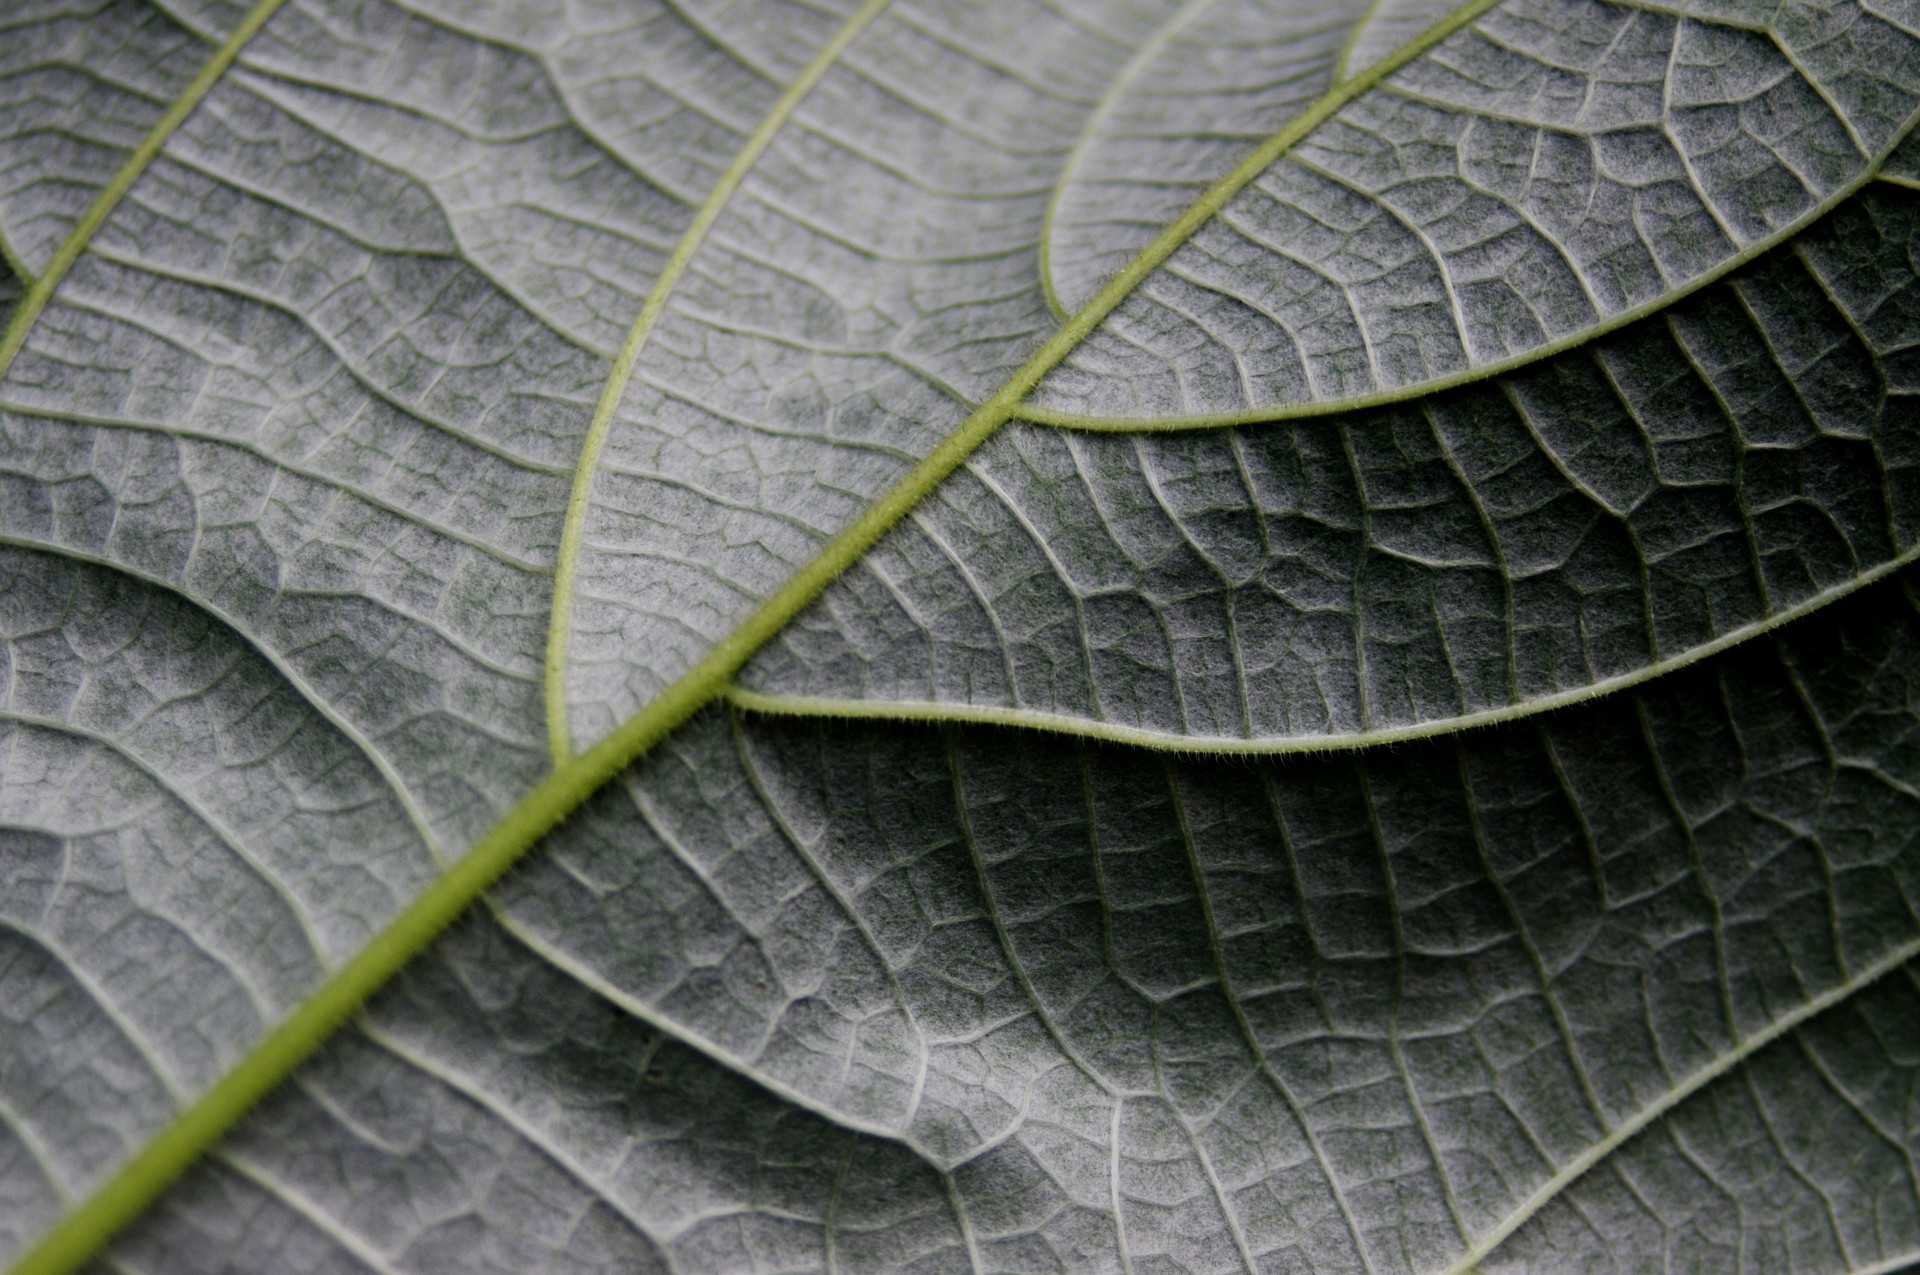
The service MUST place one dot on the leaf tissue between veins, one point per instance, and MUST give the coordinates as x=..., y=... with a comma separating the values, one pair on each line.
x=1160, y=637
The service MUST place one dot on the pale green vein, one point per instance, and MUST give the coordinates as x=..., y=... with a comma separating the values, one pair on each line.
x=122, y=181
x=1653, y=1111
x=560, y=620
x=1148, y=50
x=576, y=777
x=1095, y=423
x=1236, y=746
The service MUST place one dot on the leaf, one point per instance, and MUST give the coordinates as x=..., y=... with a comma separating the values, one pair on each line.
x=1547, y=174
x=1578, y=525
x=416, y=420
x=1352, y=1005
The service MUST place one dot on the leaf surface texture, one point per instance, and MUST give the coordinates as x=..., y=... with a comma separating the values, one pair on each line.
x=403, y=404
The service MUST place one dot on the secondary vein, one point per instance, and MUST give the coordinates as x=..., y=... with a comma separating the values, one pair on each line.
x=1163, y=740
x=1870, y=172
x=560, y=621
x=81, y=1234
x=122, y=181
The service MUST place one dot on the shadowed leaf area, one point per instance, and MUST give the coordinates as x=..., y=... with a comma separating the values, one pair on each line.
x=920, y=636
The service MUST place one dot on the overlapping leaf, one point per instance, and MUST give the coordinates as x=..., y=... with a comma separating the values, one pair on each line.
x=451, y=388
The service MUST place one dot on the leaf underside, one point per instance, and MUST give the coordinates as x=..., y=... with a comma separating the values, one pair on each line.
x=1173, y=637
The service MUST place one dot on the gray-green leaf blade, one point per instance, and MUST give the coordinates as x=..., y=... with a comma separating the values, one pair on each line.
x=1573, y=526
x=1434, y=991
x=1540, y=175
x=318, y=387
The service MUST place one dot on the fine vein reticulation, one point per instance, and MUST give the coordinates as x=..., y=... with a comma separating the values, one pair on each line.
x=560, y=626
x=575, y=777
x=1231, y=746
x=109, y=197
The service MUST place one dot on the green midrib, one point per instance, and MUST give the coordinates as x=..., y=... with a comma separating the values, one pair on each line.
x=84, y=1230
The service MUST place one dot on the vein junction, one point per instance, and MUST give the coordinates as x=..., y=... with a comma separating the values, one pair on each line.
x=574, y=777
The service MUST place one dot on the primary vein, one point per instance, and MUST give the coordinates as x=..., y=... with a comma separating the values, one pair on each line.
x=575, y=777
